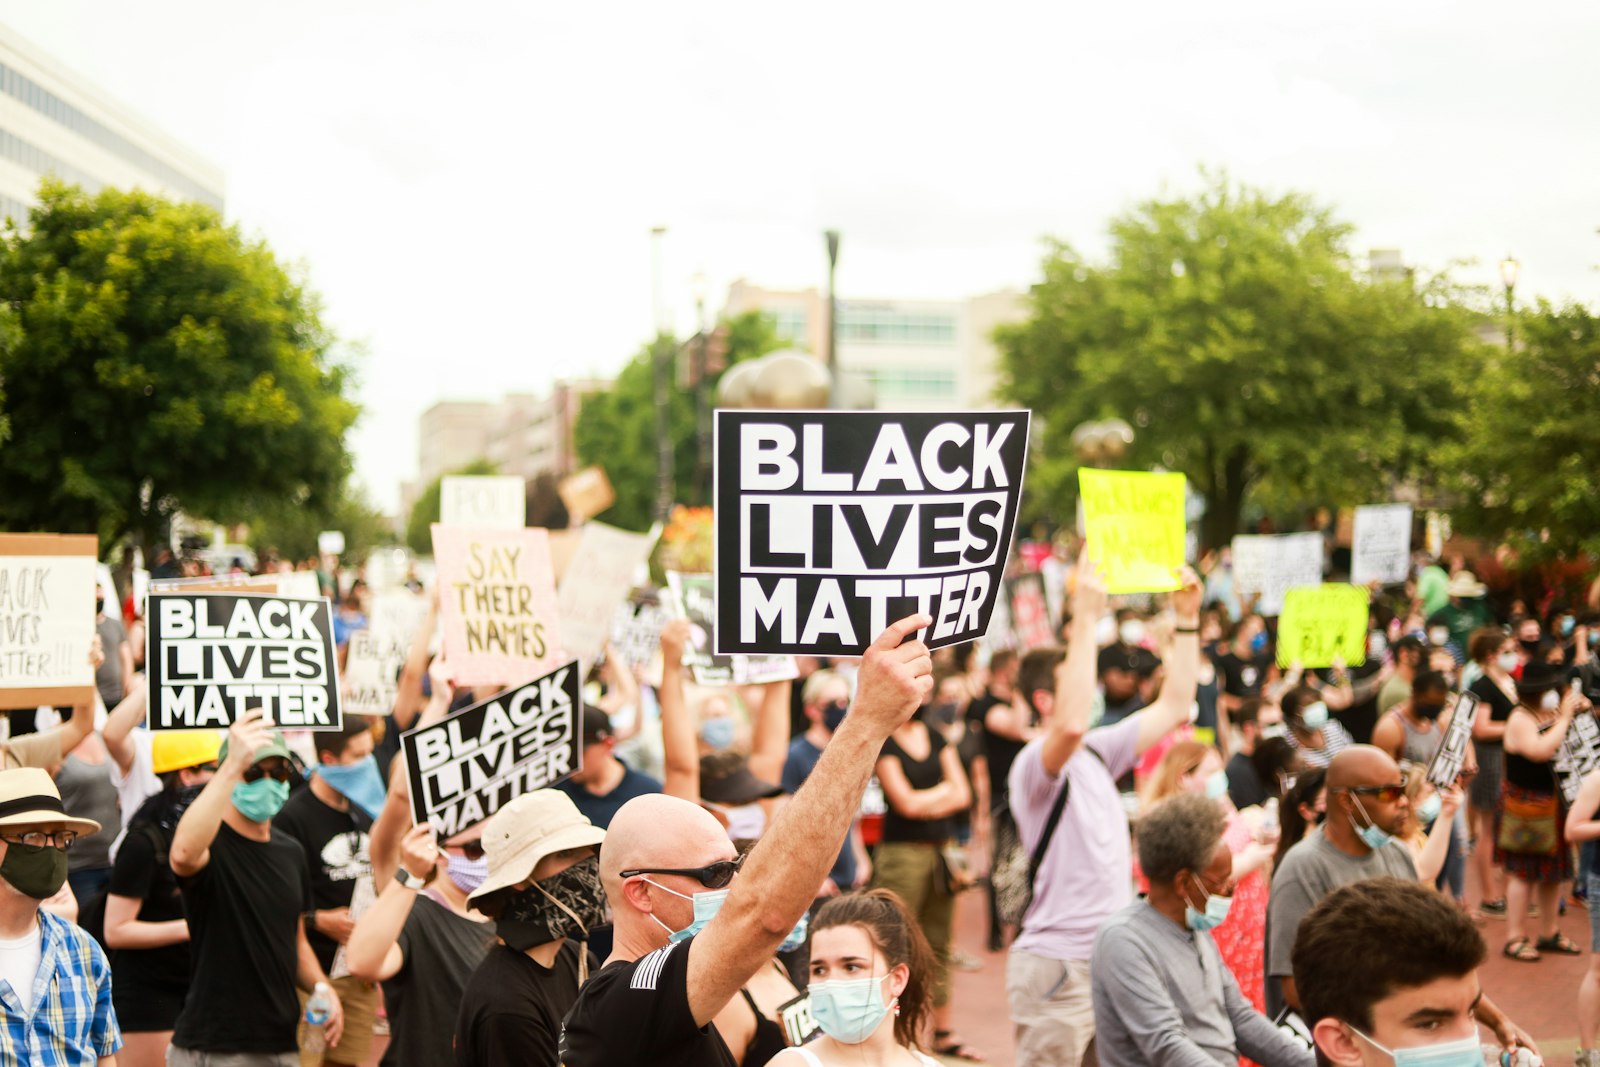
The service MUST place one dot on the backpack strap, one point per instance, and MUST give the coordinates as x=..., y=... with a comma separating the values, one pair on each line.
x=1052, y=821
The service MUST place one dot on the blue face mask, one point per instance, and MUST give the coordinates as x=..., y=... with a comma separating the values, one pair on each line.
x=718, y=732
x=261, y=799
x=1429, y=809
x=706, y=905
x=1374, y=837
x=797, y=936
x=1315, y=716
x=1216, y=912
x=1258, y=643
x=467, y=874
x=359, y=782
x=1217, y=785
x=1463, y=1052
x=849, y=1010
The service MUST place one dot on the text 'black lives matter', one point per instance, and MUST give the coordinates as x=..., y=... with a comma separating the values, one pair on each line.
x=471, y=764
x=213, y=656
x=833, y=524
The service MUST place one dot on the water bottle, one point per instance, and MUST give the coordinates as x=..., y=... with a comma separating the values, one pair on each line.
x=318, y=1008
x=1495, y=1056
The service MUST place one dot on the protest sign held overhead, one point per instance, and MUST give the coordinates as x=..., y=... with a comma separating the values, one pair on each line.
x=47, y=625
x=1323, y=625
x=1273, y=564
x=299, y=585
x=692, y=597
x=1578, y=755
x=497, y=600
x=586, y=493
x=492, y=501
x=1030, y=611
x=636, y=631
x=469, y=765
x=375, y=655
x=598, y=578
x=213, y=656
x=1452, y=753
x=832, y=524
x=1380, y=544
x=1134, y=525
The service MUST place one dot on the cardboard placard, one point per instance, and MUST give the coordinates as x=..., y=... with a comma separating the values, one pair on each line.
x=1380, y=544
x=586, y=494
x=636, y=632
x=301, y=585
x=485, y=502
x=1273, y=564
x=596, y=580
x=1578, y=755
x=47, y=584
x=1133, y=524
x=497, y=601
x=330, y=543
x=1030, y=611
x=209, y=656
x=472, y=763
x=375, y=655
x=691, y=596
x=1321, y=624
x=833, y=524
x=1452, y=753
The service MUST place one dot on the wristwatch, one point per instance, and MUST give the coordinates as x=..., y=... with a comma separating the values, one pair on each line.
x=408, y=880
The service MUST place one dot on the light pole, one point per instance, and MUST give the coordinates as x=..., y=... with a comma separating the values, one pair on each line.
x=832, y=237
x=1509, y=269
x=662, y=365
x=702, y=388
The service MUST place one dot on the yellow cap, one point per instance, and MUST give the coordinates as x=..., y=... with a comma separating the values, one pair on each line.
x=173, y=750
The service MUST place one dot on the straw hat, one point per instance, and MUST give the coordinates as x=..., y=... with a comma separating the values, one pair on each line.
x=525, y=831
x=29, y=797
x=1465, y=585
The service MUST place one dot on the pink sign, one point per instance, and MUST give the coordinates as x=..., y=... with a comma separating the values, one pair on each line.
x=497, y=601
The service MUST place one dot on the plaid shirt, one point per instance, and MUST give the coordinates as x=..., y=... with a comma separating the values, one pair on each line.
x=67, y=1021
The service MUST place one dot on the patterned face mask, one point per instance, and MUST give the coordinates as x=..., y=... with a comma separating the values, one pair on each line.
x=569, y=904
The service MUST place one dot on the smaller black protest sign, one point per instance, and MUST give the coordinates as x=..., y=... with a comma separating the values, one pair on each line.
x=1452, y=754
x=833, y=524
x=471, y=764
x=1578, y=755
x=212, y=656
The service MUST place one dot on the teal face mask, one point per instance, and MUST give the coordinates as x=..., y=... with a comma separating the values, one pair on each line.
x=1429, y=809
x=261, y=799
x=1374, y=836
x=1217, y=785
x=1315, y=716
x=706, y=906
x=849, y=1010
x=1463, y=1052
x=1216, y=912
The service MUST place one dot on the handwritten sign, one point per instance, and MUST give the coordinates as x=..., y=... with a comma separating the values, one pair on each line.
x=1271, y=565
x=47, y=584
x=211, y=656
x=484, y=502
x=832, y=524
x=636, y=631
x=1578, y=755
x=497, y=603
x=375, y=655
x=1134, y=524
x=1452, y=753
x=1323, y=624
x=599, y=577
x=471, y=764
x=1380, y=549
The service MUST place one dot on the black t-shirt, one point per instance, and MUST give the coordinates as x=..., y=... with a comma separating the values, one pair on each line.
x=637, y=1015
x=1244, y=784
x=922, y=774
x=1242, y=677
x=336, y=847
x=1494, y=698
x=140, y=874
x=244, y=911
x=512, y=1009
x=440, y=950
x=1359, y=719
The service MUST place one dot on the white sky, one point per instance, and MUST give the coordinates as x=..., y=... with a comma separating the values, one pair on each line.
x=470, y=186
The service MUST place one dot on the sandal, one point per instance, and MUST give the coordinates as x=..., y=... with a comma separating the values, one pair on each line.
x=946, y=1044
x=1560, y=943
x=1521, y=949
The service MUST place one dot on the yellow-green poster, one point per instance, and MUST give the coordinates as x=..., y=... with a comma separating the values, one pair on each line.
x=1134, y=525
x=1322, y=624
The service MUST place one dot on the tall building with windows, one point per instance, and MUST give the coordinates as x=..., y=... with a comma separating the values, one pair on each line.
x=54, y=122
x=919, y=355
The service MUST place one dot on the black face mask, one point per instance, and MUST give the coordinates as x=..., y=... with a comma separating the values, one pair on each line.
x=833, y=715
x=1428, y=711
x=532, y=916
x=1529, y=646
x=37, y=871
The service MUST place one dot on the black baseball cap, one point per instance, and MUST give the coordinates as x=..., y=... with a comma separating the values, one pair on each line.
x=725, y=778
x=596, y=726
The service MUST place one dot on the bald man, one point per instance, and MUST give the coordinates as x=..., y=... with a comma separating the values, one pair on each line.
x=683, y=947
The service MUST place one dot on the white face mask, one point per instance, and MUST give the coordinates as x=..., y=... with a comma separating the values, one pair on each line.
x=1105, y=632
x=1131, y=632
x=1551, y=701
x=1438, y=636
x=1508, y=661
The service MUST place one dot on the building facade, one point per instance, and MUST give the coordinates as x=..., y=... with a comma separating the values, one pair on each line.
x=53, y=122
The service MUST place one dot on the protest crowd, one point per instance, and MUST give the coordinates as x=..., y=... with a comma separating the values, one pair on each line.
x=1260, y=808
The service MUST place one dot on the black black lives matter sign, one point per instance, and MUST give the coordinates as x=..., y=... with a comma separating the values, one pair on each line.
x=833, y=524
x=464, y=768
x=212, y=656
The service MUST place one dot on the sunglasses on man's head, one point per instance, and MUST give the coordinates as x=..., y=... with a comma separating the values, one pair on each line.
x=278, y=770
x=712, y=875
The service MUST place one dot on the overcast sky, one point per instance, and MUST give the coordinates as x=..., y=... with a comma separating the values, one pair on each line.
x=471, y=186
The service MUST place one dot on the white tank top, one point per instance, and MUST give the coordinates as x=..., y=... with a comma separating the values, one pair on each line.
x=811, y=1057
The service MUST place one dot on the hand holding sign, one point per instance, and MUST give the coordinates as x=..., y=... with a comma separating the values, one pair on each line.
x=896, y=677
x=248, y=733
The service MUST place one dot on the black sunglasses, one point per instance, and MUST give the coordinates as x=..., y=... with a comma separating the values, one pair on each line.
x=712, y=875
x=278, y=772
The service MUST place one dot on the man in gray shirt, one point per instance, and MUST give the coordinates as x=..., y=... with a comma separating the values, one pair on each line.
x=1161, y=991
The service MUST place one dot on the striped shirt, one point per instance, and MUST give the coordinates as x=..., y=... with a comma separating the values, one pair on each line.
x=1335, y=739
x=67, y=1019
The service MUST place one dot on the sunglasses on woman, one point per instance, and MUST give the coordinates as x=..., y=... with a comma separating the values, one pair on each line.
x=712, y=875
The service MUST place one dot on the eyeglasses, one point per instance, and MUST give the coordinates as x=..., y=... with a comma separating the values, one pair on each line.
x=712, y=875
x=61, y=839
x=1384, y=794
x=279, y=772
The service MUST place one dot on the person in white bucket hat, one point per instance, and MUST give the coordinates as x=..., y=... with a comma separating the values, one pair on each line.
x=543, y=893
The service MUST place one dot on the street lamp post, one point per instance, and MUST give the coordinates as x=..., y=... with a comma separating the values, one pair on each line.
x=702, y=389
x=832, y=237
x=1509, y=269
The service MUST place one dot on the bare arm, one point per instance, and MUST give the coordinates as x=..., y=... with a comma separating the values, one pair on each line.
x=124, y=928
x=769, y=745
x=946, y=798
x=794, y=856
x=680, y=754
x=125, y=657
x=1430, y=858
x=1581, y=822
x=373, y=951
x=1524, y=739
x=1003, y=720
x=391, y=825
x=623, y=693
x=1075, y=675
x=1388, y=735
x=120, y=723
x=191, y=841
x=1171, y=709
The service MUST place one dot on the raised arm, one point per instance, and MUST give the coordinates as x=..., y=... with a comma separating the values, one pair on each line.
x=1171, y=709
x=373, y=951
x=783, y=871
x=622, y=692
x=769, y=744
x=680, y=752
x=191, y=841
x=1075, y=675
x=118, y=731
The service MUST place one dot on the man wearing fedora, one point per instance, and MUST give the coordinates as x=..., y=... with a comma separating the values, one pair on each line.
x=543, y=893
x=55, y=982
x=246, y=890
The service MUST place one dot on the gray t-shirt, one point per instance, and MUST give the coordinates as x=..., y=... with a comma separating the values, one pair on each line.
x=1163, y=995
x=108, y=679
x=1310, y=871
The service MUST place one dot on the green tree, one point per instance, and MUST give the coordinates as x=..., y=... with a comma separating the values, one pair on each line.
x=425, y=512
x=160, y=361
x=1234, y=333
x=617, y=429
x=1525, y=463
x=291, y=532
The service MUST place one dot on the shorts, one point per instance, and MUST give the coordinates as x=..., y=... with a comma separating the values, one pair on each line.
x=360, y=1002
x=1051, y=1009
x=145, y=1008
x=188, y=1057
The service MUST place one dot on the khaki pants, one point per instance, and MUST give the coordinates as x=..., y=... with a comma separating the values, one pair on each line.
x=1051, y=1010
x=360, y=1002
x=188, y=1057
x=916, y=872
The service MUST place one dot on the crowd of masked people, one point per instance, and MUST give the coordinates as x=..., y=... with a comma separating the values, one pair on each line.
x=1188, y=853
